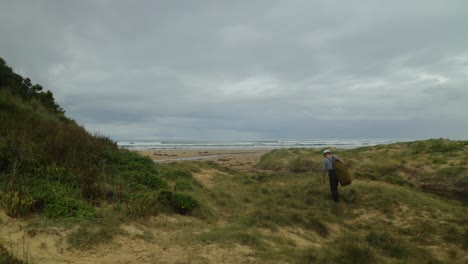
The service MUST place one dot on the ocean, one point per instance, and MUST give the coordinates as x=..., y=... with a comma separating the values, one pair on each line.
x=255, y=144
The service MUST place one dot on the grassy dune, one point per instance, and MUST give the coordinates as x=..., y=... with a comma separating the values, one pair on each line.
x=288, y=216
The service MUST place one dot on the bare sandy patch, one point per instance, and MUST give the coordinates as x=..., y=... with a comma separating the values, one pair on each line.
x=239, y=159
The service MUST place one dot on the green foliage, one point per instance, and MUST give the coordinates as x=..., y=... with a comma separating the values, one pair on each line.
x=443, y=146
x=57, y=200
x=51, y=165
x=16, y=204
x=302, y=164
x=143, y=205
x=173, y=174
x=23, y=88
x=274, y=160
x=183, y=203
x=182, y=185
x=132, y=168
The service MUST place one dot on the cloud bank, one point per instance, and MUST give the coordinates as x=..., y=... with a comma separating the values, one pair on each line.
x=248, y=70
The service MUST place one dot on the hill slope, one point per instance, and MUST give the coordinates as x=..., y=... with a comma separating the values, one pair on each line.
x=52, y=167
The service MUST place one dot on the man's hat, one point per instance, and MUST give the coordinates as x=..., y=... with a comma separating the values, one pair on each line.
x=326, y=151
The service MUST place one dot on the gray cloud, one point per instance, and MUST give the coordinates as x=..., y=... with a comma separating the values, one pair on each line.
x=258, y=69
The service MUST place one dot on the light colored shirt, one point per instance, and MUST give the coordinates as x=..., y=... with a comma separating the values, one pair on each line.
x=327, y=164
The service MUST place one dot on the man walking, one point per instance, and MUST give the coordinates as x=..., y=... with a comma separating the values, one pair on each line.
x=327, y=167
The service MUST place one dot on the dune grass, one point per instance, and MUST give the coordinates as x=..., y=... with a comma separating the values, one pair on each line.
x=289, y=216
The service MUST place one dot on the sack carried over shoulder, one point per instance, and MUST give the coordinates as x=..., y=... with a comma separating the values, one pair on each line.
x=344, y=178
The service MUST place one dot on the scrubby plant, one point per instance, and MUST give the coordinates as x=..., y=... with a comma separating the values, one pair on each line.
x=57, y=200
x=302, y=164
x=274, y=160
x=182, y=185
x=143, y=205
x=49, y=164
x=183, y=203
x=16, y=204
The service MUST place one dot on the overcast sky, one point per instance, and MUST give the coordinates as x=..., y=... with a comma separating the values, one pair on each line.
x=237, y=70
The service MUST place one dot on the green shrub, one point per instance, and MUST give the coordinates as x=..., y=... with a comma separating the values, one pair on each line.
x=152, y=181
x=182, y=185
x=274, y=160
x=56, y=200
x=183, y=203
x=445, y=145
x=16, y=204
x=69, y=207
x=54, y=173
x=173, y=174
x=301, y=164
x=143, y=205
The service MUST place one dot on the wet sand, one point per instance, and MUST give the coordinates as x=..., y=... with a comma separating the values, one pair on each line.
x=239, y=159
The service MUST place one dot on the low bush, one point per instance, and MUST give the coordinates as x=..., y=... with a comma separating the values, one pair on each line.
x=16, y=204
x=57, y=200
x=143, y=205
x=274, y=160
x=183, y=203
x=182, y=185
x=173, y=174
x=302, y=164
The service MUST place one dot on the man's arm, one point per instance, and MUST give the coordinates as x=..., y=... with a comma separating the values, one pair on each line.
x=324, y=170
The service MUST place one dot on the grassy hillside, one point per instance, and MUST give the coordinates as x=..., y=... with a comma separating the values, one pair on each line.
x=437, y=166
x=52, y=167
x=70, y=196
x=285, y=214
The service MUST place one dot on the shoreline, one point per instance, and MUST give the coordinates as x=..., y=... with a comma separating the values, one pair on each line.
x=240, y=159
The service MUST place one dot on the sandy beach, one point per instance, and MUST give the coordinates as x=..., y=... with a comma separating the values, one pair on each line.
x=240, y=159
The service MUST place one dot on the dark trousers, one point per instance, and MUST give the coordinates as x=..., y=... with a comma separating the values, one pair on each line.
x=333, y=179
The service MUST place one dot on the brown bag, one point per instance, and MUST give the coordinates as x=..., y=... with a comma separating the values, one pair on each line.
x=344, y=178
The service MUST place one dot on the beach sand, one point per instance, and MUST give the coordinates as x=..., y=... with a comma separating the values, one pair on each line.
x=239, y=159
